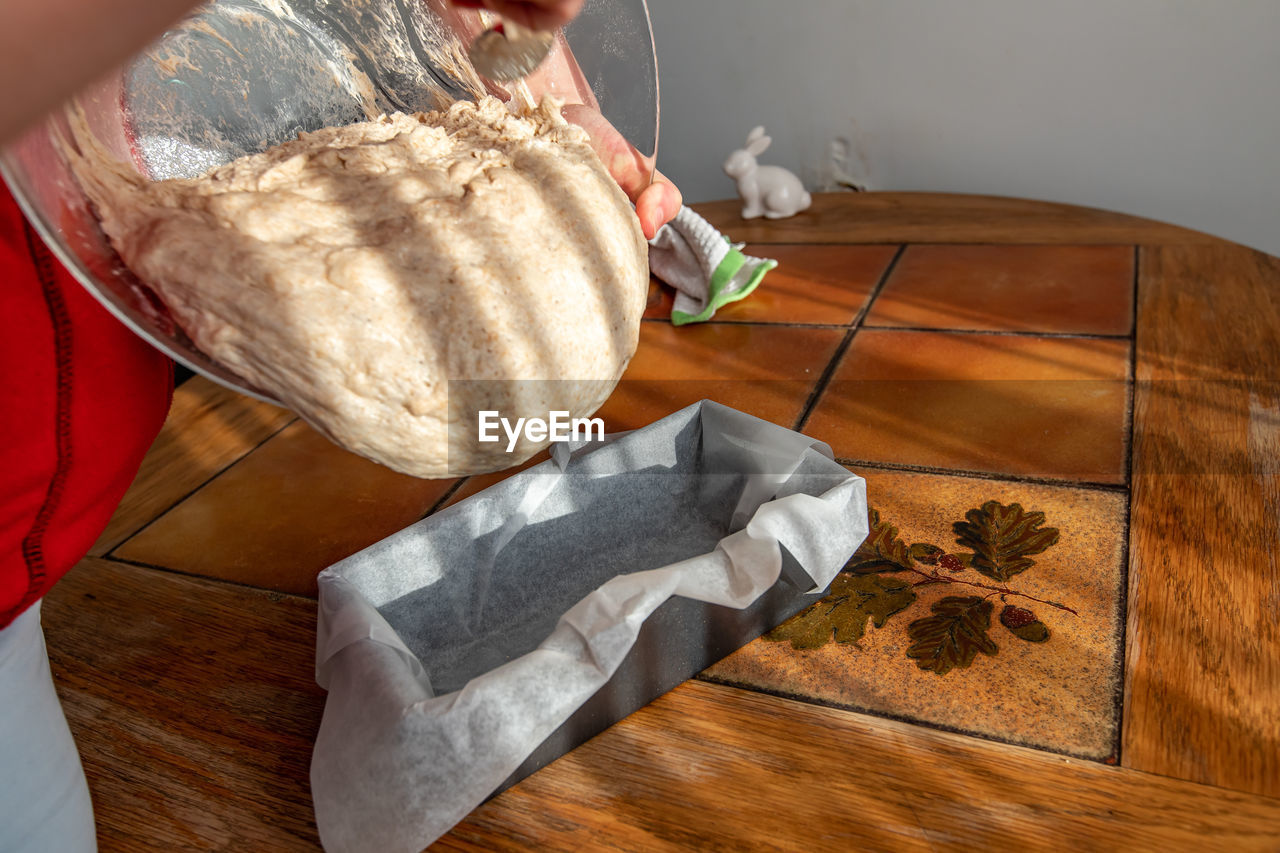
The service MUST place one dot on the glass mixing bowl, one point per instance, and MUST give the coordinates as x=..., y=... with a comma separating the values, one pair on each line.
x=242, y=75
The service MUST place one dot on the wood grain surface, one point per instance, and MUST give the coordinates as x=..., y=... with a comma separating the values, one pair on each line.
x=193, y=705
x=1202, y=698
x=711, y=767
x=905, y=217
x=208, y=429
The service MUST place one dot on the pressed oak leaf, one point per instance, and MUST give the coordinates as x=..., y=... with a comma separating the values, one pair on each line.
x=843, y=614
x=1023, y=624
x=881, y=551
x=953, y=635
x=1003, y=538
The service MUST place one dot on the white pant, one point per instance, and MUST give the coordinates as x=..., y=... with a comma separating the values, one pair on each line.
x=44, y=799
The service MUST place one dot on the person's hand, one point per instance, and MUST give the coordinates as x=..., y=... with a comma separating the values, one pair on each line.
x=535, y=14
x=657, y=205
x=657, y=200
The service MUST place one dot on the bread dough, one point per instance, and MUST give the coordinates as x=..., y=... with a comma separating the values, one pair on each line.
x=358, y=272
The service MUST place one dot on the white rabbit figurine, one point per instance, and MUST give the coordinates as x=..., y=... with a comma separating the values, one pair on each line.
x=769, y=191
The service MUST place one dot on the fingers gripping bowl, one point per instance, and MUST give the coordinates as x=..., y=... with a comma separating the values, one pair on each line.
x=241, y=77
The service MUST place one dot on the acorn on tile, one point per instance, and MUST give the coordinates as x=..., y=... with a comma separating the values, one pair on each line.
x=1023, y=624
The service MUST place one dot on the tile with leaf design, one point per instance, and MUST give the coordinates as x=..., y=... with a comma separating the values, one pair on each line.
x=1044, y=407
x=915, y=627
x=1060, y=289
x=282, y=514
x=812, y=284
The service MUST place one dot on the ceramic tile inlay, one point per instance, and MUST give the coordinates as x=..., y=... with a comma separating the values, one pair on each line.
x=985, y=607
x=1007, y=404
x=811, y=284
x=881, y=578
x=208, y=428
x=1060, y=289
x=294, y=506
x=477, y=483
x=766, y=371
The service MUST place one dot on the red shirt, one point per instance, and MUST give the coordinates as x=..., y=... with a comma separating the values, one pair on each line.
x=81, y=400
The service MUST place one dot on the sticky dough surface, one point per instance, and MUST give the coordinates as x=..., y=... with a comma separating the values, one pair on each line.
x=356, y=271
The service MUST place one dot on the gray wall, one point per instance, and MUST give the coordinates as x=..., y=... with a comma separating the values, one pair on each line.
x=1162, y=108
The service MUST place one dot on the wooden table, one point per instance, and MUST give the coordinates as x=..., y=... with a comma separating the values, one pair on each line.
x=964, y=354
